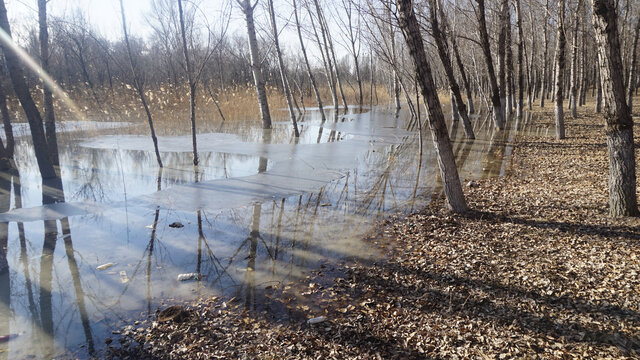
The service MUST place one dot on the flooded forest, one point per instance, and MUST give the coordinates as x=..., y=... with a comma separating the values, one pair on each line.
x=305, y=179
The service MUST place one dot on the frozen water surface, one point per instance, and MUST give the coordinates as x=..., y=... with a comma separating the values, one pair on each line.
x=261, y=209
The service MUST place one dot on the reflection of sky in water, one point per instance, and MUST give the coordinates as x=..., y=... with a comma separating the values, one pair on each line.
x=272, y=221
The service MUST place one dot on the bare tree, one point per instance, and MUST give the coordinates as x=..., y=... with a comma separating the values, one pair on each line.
x=285, y=83
x=520, y=63
x=498, y=115
x=312, y=78
x=446, y=159
x=247, y=9
x=49, y=116
x=139, y=85
x=560, y=69
x=192, y=84
x=619, y=124
x=574, y=63
x=545, y=55
x=21, y=89
x=457, y=104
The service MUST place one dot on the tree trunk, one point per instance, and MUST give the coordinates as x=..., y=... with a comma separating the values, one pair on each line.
x=285, y=83
x=458, y=107
x=619, y=124
x=560, y=67
x=21, y=89
x=6, y=122
x=192, y=84
x=463, y=75
x=330, y=52
x=520, y=62
x=498, y=116
x=510, y=100
x=139, y=86
x=326, y=61
x=247, y=10
x=634, y=65
x=396, y=86
x=446, y=160
x=502, y=51
x=573, y=102
x=49, y=116
x=598, y=92
x=306, y=63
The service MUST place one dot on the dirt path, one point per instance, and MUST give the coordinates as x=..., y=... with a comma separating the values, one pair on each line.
x=536, y=270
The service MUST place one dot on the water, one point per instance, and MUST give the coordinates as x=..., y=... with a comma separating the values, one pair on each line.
x=260, y=210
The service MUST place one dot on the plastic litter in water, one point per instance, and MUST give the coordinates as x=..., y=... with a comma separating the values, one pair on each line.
x=189, y=276
x=105, y=266
x=123, y=277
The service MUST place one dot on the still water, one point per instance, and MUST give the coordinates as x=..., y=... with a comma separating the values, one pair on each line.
x=261, y=209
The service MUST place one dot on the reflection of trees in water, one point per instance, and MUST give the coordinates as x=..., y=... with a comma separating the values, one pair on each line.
x=42, y=314
x=5, y=278
x=152, y=241
x=77, y=284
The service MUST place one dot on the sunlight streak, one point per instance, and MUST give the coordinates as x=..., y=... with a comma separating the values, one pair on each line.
x=46, y=79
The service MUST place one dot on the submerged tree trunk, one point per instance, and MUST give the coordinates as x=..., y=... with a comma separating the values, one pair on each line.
x=326, y=61
x=6, y=122
x=139, y=86
x=619, y=124
x=446, y=160
x=498, y=117
x=16, y=73
x=560, y=67
x=49, y=116
x=247, y=10
x=285, y=83
x=463, y=75
x=192, y=84
x=312, y=78
x=457, y=105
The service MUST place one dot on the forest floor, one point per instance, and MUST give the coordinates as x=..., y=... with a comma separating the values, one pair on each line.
x=536, y=269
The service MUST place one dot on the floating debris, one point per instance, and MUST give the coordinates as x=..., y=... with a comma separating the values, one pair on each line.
x=105, y=266
x=176, y=225
x=123, y=277
x=189, y=276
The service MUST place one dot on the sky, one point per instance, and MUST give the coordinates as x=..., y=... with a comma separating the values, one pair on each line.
x=104, y=15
